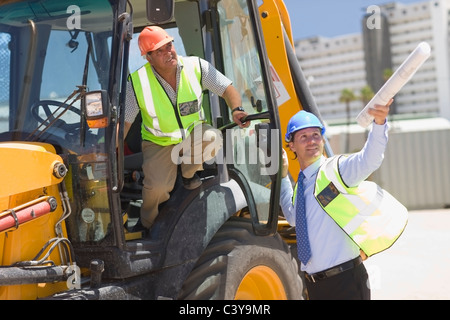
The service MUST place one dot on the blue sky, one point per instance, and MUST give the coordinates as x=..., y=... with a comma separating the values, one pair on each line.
x=329, y=18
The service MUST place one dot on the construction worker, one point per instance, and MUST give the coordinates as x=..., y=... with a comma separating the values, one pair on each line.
x=168, y=91
x=330, y=258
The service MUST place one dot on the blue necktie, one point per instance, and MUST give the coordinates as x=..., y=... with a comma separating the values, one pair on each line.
x=303, y=248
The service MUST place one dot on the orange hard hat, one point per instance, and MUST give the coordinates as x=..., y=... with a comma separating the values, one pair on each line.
x=152, y=38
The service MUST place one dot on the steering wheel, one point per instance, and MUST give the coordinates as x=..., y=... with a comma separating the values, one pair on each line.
x=58, y=123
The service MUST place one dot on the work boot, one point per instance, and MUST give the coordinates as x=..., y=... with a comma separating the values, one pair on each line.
x=192, y=183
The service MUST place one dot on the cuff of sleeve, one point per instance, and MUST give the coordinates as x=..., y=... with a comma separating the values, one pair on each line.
x=380, y=129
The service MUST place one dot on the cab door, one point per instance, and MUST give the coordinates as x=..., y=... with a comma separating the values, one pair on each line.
x=252, y=154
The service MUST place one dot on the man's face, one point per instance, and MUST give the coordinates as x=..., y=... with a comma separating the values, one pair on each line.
x=165, y=58
x=308, y=144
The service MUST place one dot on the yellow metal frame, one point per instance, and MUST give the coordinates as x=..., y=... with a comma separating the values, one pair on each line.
x=29, y=176
x=275, y=21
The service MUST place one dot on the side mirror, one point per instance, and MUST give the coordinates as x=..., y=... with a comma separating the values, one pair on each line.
x=160, y=11
x=96, y=103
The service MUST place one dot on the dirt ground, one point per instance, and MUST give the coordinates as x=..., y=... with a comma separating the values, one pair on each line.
x=417, y=266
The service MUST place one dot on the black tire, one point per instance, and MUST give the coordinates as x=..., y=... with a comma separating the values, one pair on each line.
x=231, y=254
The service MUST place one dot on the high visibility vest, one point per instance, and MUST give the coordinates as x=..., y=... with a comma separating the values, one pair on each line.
x=163, y=123
x=369, y=215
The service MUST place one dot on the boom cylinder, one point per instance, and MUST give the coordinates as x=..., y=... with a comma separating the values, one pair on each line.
x=12, y=218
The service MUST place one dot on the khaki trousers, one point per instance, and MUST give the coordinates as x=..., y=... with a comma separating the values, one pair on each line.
x=160, y=165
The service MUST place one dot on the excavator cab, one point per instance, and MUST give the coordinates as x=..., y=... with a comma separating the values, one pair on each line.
x=64, y=68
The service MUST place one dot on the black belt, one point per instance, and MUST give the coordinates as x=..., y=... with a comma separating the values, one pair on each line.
x=334, y=270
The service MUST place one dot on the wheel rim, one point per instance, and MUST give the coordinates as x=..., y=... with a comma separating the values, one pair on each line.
x=261, y=283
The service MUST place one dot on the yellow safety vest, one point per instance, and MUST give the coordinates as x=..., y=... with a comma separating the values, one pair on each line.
x=163, y=123
x=371, y=216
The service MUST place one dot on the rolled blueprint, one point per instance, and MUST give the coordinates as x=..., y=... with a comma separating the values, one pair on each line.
x=393, y=85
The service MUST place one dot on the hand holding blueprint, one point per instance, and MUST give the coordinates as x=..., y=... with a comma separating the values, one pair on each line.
x=393, y=85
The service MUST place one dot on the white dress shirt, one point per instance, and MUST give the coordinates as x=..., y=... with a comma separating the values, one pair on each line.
x=330, y=245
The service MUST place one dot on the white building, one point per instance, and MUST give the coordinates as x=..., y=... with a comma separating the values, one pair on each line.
x=390, y=32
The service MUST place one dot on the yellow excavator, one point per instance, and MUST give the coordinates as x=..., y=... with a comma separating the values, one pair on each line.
x=70, y=188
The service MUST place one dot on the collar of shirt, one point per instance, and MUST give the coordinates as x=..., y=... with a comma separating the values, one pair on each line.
x=311, y=170
x=167, y=87
x=179, y=68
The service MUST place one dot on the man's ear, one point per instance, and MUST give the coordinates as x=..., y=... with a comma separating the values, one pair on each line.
x=291, y=146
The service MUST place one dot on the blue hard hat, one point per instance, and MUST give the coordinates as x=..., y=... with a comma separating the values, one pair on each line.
x=302, y=120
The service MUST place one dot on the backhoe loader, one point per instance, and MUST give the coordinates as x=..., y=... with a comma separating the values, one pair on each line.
x=71, y=184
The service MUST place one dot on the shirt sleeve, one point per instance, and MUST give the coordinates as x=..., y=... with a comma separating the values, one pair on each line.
x=359, y=166
x=131, y=105
x=286, y=200
x=212, y=79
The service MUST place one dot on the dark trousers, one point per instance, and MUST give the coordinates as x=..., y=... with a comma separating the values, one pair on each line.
x=352, y=284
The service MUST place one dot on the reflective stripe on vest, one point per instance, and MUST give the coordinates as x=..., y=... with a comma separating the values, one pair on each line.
x=371, y=216
x=159, y=121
